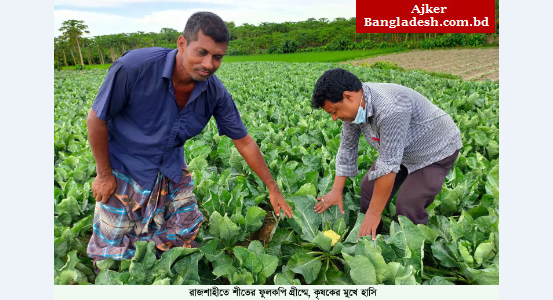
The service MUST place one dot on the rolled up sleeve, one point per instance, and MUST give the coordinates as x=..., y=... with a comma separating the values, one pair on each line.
x=394, y=126
x=228, y=118
x=346, y=159
x=113, y=93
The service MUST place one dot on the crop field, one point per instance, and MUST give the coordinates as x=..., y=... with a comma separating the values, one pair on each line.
x=241, y=241
x=470, y=64
x=326, y=56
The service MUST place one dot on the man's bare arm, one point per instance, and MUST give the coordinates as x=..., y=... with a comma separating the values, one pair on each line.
x=104, y=184
x=249, y=150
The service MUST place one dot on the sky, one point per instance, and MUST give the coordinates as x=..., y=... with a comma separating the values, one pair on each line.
x=127, y=16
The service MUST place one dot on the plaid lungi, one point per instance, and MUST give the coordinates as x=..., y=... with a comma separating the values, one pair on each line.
x=167, y=214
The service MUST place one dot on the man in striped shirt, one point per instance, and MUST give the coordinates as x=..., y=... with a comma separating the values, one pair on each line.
x=417, y=145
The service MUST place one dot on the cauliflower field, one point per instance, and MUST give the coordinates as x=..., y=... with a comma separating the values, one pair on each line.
x=243, y=242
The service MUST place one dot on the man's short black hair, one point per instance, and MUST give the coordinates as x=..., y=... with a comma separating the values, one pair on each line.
x=211, y=25
x=332, y=85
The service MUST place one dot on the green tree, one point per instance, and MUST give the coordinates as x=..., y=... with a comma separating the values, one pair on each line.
x=72, y=30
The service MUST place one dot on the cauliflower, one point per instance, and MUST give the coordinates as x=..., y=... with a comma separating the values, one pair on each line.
x=333, y=235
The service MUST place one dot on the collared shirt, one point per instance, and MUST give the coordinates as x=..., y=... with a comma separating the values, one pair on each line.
x=403, y=126
x=145, y=127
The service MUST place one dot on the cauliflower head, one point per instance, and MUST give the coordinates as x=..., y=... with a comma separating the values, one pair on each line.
x=333, y=235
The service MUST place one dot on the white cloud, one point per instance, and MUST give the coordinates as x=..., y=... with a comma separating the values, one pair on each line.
x=248, y=11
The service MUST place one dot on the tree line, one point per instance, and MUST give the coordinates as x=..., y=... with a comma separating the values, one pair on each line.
x=71, y=48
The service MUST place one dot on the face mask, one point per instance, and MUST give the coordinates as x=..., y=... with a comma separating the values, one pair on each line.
x=361, y=114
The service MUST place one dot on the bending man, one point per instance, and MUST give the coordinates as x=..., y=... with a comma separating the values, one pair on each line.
x=151, y=102
x=417, y=145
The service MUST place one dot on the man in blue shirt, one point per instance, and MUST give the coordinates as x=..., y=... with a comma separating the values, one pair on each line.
x=152, y=101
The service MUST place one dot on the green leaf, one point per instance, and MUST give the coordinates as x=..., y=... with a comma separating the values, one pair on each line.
x=197, y=164
x=270, y=263
x=488, y=276
x=306, y=222
x=68, y=207
x=340, y=227
x=429, y=234
x=361, y=269
x=438, y=280
x=492, y=183
x=322, y=241
x=201, y=151
x=465, y=254
x=414, y=238
x=313, y=162
x=280, y=279
x=143, y=260
x=187, y=267
x=106, y=264
x=307, y=189
x=325, y=184
x=211, y=252
x=289, y=178
x=224, y=270
x=336, y=277
x=440, y=225
x=254, y=218
x=228, y=231
x=369, y=249
x=236, y=160
x=399, y=275
x=163, y=265
x=224, y=149
x=61, y=246
x=281, y=235
x=256, y=247
x=484, y=252
x=352, y=237
x=164, y=281
x=445, y=252
x=306, y=265
x=242, y=277
x=108, y=277
x=481, y=138
x=493, y=149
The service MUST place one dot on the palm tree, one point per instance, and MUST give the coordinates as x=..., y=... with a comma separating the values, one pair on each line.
x=72, y=30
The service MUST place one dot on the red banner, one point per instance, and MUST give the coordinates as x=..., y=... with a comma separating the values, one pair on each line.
x=425, y=16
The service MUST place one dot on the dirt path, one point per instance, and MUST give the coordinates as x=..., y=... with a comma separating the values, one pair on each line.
x=470, y=64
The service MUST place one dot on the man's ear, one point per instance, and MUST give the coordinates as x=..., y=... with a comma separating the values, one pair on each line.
x=348, y=96
x=181, y=43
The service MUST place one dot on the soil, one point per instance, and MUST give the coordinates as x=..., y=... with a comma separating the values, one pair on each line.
x=265, y=233
x=470, y=64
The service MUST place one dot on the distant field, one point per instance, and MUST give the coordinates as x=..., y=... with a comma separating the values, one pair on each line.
x=475, y=64
x=88, y=67
x=327, y=56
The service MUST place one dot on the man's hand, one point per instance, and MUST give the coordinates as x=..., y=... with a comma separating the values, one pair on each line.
x=332, y=198
x=249, y=150
x=369, y=225
x=278, y=203
x=103, y=187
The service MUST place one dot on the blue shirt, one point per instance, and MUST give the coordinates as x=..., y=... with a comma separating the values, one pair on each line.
x=145, y=127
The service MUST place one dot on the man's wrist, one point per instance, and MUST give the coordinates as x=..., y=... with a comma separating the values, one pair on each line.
x=104, y=172
x=373, y=212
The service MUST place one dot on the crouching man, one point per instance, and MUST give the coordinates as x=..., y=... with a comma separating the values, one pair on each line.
x=417, y=145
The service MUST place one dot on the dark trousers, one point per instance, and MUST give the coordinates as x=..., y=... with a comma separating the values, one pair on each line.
x=417, y=191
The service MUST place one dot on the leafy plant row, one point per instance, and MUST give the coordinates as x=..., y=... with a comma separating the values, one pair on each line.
x=459, y=245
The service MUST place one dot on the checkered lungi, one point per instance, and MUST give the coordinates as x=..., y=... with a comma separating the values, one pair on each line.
x=167, y=214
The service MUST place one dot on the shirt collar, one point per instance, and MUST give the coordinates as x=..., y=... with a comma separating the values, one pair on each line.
x=169, y=64
x=168, y=73
x=368, y=100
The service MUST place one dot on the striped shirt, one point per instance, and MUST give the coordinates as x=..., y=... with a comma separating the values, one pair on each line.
x=403, y=126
